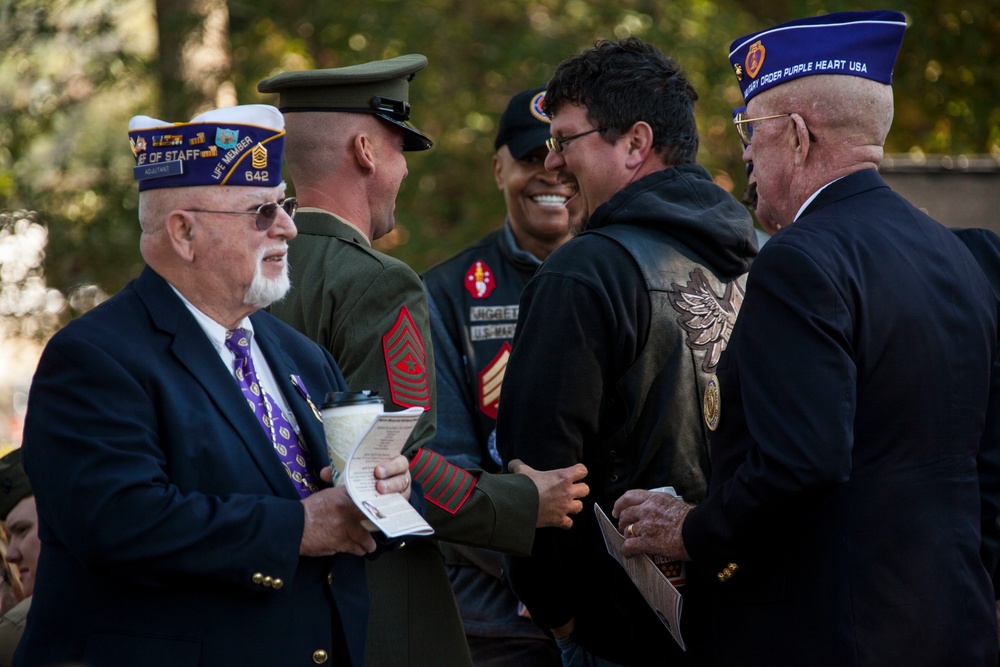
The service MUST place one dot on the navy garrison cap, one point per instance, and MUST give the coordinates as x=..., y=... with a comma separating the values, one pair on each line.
x=14, y=485
x=524, y=127
x=380, y=88
x=861, y=44
x=239, y=145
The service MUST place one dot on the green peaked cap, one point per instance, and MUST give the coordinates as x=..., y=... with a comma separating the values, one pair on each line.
x=381, y=88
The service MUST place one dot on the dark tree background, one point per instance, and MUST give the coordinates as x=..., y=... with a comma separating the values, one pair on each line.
x=72, y=73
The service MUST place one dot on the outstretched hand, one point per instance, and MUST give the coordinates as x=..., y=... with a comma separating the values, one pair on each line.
x=559, y=492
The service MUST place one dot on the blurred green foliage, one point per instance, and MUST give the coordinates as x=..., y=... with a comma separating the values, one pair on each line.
x=73, y=71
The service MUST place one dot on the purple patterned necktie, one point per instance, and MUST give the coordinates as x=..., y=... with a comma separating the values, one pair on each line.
x=293, y=454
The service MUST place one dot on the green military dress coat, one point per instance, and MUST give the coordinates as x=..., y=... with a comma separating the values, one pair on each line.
x=370, y=311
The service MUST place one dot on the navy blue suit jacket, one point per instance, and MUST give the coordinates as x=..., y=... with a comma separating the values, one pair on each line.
x=160, y=498
x=854, y=483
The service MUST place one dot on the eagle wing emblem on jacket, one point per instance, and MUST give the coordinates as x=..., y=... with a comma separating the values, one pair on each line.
x=707, y=318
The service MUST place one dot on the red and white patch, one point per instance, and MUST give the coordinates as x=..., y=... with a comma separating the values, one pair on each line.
x=490, y=380
x=406, y=363
x=479, y=280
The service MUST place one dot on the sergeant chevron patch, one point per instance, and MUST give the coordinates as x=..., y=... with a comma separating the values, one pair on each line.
x=490, y=379
x=445, y=485
x=406, y=364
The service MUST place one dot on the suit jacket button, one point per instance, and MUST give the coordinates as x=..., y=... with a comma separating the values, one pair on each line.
x=319, y=657
x=257, y=577
x=267, y=582
x=329, y=578
x=277, y=583
x=728, y=572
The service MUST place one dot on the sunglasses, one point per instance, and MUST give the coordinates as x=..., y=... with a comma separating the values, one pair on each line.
x=265, y=213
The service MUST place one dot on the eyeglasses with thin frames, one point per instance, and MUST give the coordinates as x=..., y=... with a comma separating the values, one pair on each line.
x=744, y=125
x=265, y=214
x=555, y=144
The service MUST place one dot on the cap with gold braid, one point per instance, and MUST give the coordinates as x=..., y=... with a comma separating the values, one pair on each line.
x=380, y=88
x=239, y=145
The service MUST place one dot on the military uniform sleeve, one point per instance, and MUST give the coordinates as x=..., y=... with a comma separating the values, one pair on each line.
x=383, y=343
x=465, y=504
x=477, y=508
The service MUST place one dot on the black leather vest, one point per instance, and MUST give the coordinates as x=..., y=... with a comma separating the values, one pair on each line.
x=661, y=437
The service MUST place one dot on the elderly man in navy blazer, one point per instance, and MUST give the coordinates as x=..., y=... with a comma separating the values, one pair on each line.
x=852, y=510
x=172, y=440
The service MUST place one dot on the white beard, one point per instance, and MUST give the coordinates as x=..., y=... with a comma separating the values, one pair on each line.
x=265, y=291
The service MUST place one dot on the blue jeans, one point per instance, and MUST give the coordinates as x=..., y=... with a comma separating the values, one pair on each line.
x=574, y=655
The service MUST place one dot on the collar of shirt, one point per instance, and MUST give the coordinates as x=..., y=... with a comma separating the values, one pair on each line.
x=813, y=196
x=314, y=209
x=216, y=334
x=516, y=251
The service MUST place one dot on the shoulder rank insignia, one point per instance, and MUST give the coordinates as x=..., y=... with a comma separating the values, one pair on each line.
x=479, y=280
x=712, y=406
x=445, y=485
x=707, y=318
x=490, y=379
x=406, y=363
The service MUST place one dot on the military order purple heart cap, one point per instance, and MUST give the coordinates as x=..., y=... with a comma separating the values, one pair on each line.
x=238, y=145
x=861, y=44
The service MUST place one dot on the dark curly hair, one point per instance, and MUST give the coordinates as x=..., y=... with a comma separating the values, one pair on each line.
x=623, y=82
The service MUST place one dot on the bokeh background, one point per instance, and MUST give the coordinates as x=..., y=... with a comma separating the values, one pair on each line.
x=72, y=72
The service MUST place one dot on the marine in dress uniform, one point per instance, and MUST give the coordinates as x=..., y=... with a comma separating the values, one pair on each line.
x=852, y=512
x=371, y=309
x=631, y=316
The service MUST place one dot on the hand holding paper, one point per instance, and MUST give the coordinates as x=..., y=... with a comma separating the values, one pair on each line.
x=382, y=443
x=651, y=581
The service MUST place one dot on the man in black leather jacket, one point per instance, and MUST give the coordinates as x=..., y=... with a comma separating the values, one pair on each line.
x=619, y=332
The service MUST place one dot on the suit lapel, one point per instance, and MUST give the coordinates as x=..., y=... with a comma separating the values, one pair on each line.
x=310, y=428
x=195, y=352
